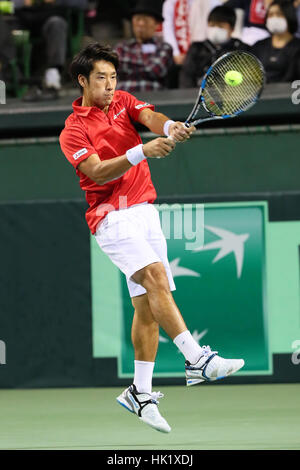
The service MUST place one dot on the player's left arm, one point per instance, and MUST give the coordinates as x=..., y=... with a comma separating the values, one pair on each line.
x=156, y=121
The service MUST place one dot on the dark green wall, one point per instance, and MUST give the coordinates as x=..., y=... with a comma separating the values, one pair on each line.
x=249, y=162
x=231, y=163
x=36, y=171
x=45, y=298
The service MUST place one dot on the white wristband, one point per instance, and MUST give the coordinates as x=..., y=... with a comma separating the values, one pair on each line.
x=166, y=127
x=135, y=155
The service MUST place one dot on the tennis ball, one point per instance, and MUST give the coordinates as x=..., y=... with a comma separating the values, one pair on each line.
x=233, y=78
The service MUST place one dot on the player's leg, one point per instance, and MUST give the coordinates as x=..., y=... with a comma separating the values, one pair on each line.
x=161, y=302
x=139, y=398
x=202, y=364
x=145, y=336
x=145, y=330
x=164, y=309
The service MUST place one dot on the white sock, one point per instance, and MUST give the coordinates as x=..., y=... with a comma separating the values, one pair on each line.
x=143, y=372
x=188, y=346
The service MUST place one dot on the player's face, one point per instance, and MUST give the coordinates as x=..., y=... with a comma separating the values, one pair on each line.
x=144, y=27
x=100, y=88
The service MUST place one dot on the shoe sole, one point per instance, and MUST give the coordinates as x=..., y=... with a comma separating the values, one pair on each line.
x=165, y=431
x=194, y=381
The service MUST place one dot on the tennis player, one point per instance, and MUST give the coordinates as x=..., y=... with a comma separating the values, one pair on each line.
x=102, y=144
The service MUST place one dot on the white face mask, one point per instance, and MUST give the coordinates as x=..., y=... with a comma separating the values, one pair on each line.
x=277, y=25
x=217, y=35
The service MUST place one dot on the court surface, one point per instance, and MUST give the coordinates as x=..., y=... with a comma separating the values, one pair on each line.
x=201, y=417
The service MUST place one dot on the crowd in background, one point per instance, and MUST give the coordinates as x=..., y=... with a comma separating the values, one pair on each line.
x=161, y=44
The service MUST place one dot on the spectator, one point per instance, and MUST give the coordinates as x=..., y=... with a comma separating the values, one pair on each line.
x=199, y=13
x=185, y=22
x=296, y=4
x=201, y=55
x=45, y=19
x=254, y=14
x=176, y=27
x=7, y=50
x=145, y=60
x=280, y=53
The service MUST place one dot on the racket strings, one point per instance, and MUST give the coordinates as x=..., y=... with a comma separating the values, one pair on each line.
x=252, y=82
x=221, y=98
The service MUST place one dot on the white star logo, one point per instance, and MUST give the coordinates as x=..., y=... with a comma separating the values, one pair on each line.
x=180, y=270
x=229, y=243
x=198, y=336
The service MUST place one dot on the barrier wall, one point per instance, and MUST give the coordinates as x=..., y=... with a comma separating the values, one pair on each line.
x=214, y=162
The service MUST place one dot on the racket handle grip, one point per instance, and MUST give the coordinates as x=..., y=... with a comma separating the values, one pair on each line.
x=186, y=124
x=169, y=138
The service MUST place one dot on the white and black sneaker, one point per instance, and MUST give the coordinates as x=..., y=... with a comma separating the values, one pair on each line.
x=144, y=405
x=210, y=367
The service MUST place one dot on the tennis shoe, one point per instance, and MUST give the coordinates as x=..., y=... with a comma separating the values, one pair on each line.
x=144, y=405
x=210, y=367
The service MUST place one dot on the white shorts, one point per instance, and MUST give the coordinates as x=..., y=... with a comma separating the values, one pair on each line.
x=132, y=238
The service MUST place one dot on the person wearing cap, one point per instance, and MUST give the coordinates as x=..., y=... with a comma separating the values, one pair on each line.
x=145, y=60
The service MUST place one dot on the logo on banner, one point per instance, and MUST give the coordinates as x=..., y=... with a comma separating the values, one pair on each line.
x=228, y=243
x=220, y=284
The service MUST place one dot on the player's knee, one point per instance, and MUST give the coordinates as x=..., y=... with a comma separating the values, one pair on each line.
x=155, y=278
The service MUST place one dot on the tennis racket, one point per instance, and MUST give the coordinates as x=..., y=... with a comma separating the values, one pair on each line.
x=232, y=85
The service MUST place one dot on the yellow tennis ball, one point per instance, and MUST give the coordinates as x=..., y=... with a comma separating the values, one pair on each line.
x=233, y=78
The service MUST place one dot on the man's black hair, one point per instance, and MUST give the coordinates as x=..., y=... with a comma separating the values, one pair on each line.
x=223, y=14
x=289, y=12
x=83, y=62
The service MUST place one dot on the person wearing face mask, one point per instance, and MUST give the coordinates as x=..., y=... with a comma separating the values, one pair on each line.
x=201, y=55
x=253, y=19
x=280, y=54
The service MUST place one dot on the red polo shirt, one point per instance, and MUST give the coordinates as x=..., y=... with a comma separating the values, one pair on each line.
x=88, y=130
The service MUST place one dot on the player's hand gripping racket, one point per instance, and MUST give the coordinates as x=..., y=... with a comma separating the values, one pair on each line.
x=231, y=86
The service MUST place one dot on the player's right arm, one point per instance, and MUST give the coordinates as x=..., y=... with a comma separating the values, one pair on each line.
x=103, y=171
x=79, y=151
